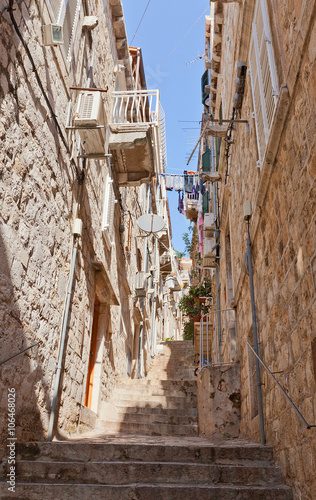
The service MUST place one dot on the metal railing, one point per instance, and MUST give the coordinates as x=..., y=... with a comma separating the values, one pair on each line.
x=307, y=425
x=21, y=352
x=142, y=107
x=218, y=341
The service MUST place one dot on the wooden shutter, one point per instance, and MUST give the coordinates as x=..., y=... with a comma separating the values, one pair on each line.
x=263, y=76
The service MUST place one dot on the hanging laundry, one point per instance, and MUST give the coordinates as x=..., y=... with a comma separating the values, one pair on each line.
x=181, y=182
x=180, y=203
x=177, y=183
x=169, y=182
x=200, y=203
x=196, y=184
x=188, y=183
x=202, y=186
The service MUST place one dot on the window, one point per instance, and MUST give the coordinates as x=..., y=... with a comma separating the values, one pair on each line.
x=66, y=14
x=263, y=76
x=108, y=212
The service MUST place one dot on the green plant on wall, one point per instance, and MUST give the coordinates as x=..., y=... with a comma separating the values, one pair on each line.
x=188, y=330
x=192, y=308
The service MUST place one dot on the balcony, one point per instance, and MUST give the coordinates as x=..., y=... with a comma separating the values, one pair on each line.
x=191, y=206
x=137, y=140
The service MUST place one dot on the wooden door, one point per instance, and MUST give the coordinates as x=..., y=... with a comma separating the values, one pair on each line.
x=93, y=345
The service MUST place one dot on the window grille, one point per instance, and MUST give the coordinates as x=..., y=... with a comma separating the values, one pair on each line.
x=264, y=82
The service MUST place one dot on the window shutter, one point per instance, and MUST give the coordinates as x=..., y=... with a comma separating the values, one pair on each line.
x=108, y=214
x=204, y=82
x=66, y=14
x=72, y=8
x=263, y=76
x=54, y=9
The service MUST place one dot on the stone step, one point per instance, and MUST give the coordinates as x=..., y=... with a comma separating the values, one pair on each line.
x=156, y=418
x=147, y=429
x=180, y=401
x=118, y=472
x=143, y=491
x=159, y=411
x=138, y=451
x=158, y=383
x=137, y=390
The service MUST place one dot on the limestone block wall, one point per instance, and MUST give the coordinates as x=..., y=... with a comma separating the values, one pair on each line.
x=283, y=236
x=41, y=192
x=218, y=396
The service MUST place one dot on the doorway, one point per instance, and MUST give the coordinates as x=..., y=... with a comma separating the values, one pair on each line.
x=92, y=356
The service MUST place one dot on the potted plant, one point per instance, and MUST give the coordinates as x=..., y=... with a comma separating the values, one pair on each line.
x=196, y=308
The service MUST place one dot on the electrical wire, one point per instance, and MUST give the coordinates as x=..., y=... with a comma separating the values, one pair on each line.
x=140, y=22
x=10, y=10
x=179, y=43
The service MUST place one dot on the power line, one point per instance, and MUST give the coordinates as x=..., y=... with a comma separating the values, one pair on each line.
x=140, y=22
x=163, y=62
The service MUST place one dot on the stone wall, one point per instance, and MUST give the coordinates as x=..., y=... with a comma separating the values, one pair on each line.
x=218, y=392
x=283, y=234
x=41, y=194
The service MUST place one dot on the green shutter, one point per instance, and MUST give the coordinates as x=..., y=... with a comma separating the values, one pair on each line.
x=206, y=202
x=206, y=161
x=204, y=81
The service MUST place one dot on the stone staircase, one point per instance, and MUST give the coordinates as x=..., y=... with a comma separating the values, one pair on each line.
x=146, y=468
x=164, y=403
x=150, y=451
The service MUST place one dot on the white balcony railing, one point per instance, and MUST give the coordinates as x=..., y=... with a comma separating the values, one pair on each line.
x=134, y=110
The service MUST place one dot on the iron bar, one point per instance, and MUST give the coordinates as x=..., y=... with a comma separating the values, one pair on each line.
x=308, y=426
x=21, y=352
x=90, y=89
x=255, y=338
x=62, y=341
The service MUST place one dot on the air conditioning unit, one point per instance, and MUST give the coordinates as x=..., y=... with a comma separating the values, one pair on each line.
x=209, y=247
x=140, y=284
x=53, y=34
x=209, y=262
x=90, y=114
x=209, y=223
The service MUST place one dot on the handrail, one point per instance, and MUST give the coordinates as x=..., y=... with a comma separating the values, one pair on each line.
x=307, y=425
x=21, y=352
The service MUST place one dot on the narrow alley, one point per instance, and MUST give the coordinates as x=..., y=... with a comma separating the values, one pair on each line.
x=158, y=311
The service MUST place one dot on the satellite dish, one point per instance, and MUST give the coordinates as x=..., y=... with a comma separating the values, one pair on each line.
x=150, y=223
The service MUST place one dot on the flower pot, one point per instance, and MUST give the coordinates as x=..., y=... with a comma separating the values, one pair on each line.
x=197, y=319
x=199, y=299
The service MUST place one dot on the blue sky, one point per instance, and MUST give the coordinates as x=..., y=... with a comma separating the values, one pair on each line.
x=165, y=24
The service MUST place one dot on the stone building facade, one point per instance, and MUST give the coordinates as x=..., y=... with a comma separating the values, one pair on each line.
x=262, y=69
x=73, y=259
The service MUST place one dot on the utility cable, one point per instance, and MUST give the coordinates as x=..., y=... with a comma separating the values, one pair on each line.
x=34, y=70
x=179, y=43
x=140, y=22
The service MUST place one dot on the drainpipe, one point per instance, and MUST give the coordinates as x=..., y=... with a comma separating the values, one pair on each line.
x=145, y=266
x=63, y=339
x=255, y=339
x=218, y=285
x=217, y=234
x=153, y=325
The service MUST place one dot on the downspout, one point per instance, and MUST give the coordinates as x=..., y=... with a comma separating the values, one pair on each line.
x=217, y=234
x=255, y=339
x=153, y=325
x=63, y=339
x=145, y=265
